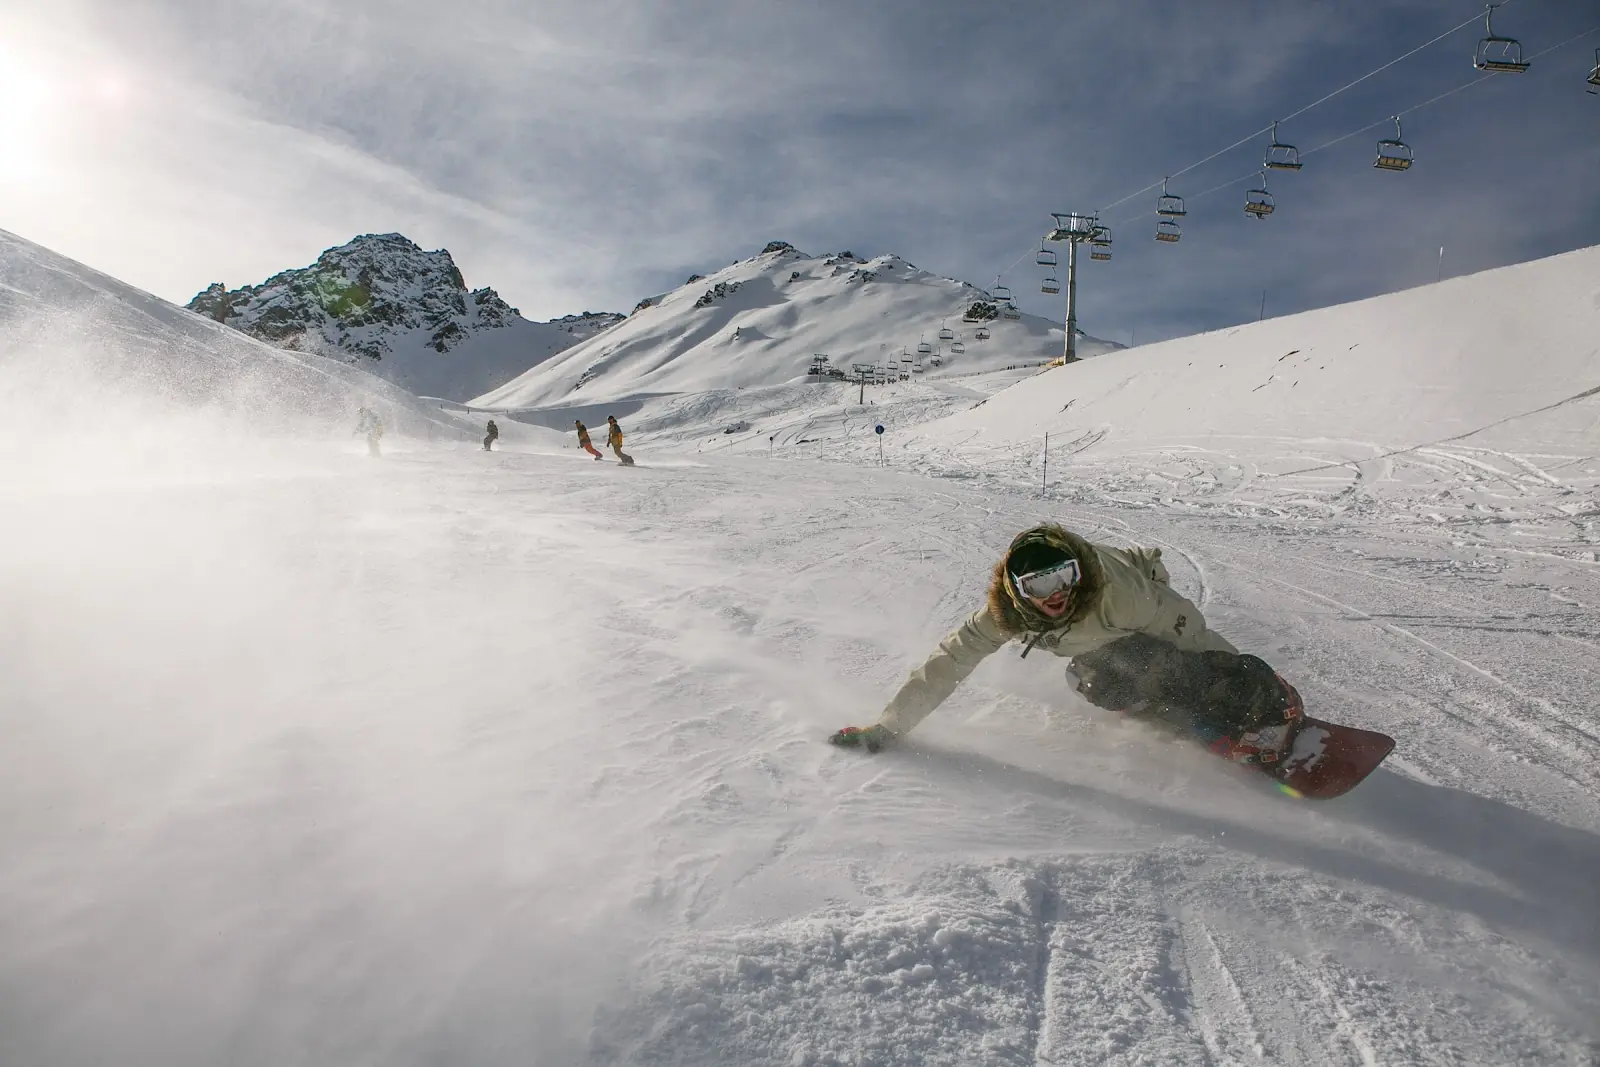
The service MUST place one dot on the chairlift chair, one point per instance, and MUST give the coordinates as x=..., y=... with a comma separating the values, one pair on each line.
x=1046, y=257
x=1393, y=153
x=1258, y=202
x=982, y=334
x=956, y=348
x=1010, y=312
x=923, y=348
x=1281, y=156
x=946, y=333
x=1167, y=230
x=1498, y=55
x=1100, y=244
x=1001, y=294
x=1070, y=226
x=1594, y=75
x=1169, y=205
x=1050, y=286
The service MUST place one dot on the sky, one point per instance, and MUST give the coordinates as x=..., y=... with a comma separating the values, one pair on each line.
x=581, y=155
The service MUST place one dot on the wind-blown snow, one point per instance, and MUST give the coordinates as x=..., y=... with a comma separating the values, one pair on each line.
x=517, y=757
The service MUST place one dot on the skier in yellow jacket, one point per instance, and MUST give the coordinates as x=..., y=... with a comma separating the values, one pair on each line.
x=1136, y=646
x=614, y=439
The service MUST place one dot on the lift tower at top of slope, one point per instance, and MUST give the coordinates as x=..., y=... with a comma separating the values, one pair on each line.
x=1074, y=230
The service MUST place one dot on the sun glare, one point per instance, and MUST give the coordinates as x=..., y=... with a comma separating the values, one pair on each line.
x=24, y=98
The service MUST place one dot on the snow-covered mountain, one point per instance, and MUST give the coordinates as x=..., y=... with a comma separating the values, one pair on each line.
x=763, y=320
x=81, y=349
x=404, y=314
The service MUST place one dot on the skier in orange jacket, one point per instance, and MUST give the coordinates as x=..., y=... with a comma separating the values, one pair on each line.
x=583, y=439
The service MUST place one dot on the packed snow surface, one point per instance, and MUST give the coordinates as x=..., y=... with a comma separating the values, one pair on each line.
x=455, y=757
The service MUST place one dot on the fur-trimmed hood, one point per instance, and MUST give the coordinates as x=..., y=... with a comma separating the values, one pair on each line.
x=1015, y=615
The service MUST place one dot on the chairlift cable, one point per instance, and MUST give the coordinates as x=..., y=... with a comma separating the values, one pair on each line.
x=1482, y=77
x=1253, y=136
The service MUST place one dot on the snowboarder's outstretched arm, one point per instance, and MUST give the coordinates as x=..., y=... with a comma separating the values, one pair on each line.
x=957, y=656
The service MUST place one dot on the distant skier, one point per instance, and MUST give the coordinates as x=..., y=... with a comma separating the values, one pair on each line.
x=368, y=423
x=583, y=439
x=1136, y=647
x=614, y=439
x=492, y=436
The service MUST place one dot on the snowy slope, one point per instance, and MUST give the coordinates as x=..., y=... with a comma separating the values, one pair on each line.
x=404, y=314
x=1391, y=372
x=517, y=758
x=82, y=351
x=785, y=307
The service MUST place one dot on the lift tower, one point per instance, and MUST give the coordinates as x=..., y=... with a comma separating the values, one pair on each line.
x=1074, y=230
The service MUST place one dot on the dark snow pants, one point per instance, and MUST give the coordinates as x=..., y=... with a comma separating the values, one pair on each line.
x=1208, y=695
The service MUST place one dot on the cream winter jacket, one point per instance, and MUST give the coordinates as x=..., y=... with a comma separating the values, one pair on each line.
x=1124, y=591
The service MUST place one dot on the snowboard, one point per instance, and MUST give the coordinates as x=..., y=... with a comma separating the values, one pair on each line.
x=1326, y=760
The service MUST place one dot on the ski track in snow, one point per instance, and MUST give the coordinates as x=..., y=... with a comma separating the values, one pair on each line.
x=456, y=757
x=1028, y=882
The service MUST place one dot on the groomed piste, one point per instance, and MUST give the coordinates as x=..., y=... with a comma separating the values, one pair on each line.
x=454, y=756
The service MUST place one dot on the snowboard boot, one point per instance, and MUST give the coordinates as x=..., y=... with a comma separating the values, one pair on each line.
x=1273, y=734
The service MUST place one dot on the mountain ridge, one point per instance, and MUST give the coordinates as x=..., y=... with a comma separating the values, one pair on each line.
x=405, y=314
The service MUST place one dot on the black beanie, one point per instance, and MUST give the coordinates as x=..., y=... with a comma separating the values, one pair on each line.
x=1035, y=556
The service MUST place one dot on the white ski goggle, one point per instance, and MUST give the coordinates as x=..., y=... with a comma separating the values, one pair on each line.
x=1042, y=585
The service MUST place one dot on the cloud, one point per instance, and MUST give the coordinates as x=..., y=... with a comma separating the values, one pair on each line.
x=581, y=155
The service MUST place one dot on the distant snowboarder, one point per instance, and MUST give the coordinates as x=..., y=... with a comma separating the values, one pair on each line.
x=1136, y=647
x=583, y=439
x=492, y=436
x=368, y=423
x=614, y=439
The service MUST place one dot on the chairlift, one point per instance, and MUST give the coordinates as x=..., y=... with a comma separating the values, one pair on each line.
x=1281, y=156
x=1046, y=257
x=1169, y=205
x=923, y=348
x=1594, y=75
x=1393, y=153
x=1010, y=312
x=1258, y=202
x=946, y=333
x=936, y=359
x=1070, y=226
x=1001, y=294
x=1498, y=55
x=1050, y=286
x=982, y=334
x=1167, y=230
x=1100, y=244
x=957, y=348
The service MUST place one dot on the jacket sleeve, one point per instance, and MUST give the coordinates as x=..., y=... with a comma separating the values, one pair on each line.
x=955, y=658
x=1150, y=607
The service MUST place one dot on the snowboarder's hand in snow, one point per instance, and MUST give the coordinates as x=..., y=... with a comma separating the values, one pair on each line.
x=873, y=737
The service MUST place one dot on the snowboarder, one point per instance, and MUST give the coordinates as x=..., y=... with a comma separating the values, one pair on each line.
x=1136, y=647
x=368, y=423
x=583, y=439
x=491, y=436
x=614, y=439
